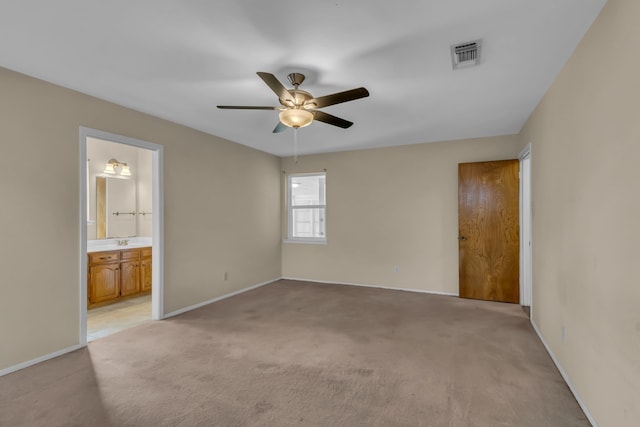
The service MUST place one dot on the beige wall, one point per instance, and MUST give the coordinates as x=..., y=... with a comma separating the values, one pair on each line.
x=222, y=212
x=585, y=137
x=390, y=207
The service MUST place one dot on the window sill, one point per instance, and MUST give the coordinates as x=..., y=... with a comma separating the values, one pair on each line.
x=307, y=242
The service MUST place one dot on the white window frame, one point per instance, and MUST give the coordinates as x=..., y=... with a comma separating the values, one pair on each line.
x=290, y=208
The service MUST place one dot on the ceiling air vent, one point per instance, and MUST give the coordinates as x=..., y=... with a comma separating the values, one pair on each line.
x=466, y=55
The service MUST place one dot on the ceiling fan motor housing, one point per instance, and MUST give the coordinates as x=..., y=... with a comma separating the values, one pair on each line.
x=300, y=99
x=296, y=79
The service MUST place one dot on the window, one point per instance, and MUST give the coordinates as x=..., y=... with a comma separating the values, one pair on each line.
x=307, y=207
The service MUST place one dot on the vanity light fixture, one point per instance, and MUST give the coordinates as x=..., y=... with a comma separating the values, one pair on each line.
x=113, y=164
x=110, y=169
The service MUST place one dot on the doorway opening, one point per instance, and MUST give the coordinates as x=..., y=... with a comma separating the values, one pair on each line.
x=121, y=281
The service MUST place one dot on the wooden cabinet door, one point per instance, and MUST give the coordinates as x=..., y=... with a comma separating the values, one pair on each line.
x=489, y=230
x=145, y=274
x=104, y=282
x=130, y=278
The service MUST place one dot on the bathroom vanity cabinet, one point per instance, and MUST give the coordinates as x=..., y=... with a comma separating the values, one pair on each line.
x=145, y=269
x=113, y=275
x=129, y=272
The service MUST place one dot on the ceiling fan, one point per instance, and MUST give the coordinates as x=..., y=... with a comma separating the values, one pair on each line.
x=298, y=108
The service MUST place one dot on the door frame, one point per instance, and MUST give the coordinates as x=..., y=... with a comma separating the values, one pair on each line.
x=526, y=235
x=157, y=247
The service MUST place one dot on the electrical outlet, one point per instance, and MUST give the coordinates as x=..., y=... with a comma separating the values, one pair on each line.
x=564, y=335
x=226, y=275
x=396, y=269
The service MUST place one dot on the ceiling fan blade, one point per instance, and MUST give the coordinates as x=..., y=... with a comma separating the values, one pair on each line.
x=337, y=98
x=275, y=85
x=246, y=107
x=280, y=128
x=321, y=116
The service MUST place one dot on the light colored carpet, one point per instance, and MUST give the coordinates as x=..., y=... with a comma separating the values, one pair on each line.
x=302, y=354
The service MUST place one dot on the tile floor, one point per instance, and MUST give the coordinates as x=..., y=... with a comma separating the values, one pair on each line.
x=112, y=318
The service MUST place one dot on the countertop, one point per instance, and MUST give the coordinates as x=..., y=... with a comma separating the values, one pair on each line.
x=112, y=244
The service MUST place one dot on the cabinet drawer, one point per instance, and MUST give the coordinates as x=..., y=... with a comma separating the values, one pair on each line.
x=145, y=252
x=103, y=257
x=131, y=254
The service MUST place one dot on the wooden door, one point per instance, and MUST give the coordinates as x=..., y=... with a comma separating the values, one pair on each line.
x=104, y=282
x=130, y=278
x=489, y=230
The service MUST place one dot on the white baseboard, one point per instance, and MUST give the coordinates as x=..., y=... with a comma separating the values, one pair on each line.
x=202, y=304
x=566, y=377
x=449, y=294
x=40, y=359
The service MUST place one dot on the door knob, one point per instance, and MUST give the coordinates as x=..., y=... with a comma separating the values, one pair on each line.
x=462, y=238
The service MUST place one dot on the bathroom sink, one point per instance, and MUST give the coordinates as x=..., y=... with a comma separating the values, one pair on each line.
x=111, y=245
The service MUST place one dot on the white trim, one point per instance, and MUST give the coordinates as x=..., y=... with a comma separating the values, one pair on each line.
x=308, y=242
x=328, y=282
x=566, y=378
x=120, y=139
x=40, y=359
x=309, y=207
x=157, y=247
x=526, y=151
x=157, y=244
x=82, y=333
x=526, y=237
x=290, y=208
x=234, y=293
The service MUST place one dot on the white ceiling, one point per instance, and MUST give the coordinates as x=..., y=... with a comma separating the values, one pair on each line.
x=179, y=59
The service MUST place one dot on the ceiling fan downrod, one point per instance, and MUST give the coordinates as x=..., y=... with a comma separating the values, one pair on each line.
x=296, y=79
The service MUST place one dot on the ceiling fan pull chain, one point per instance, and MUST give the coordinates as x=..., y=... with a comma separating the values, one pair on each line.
x=295, y=145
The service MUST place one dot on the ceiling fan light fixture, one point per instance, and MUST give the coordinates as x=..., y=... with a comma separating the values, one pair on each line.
x=296, y=118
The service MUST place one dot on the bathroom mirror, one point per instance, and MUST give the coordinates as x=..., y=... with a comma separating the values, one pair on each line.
x=115, y=208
